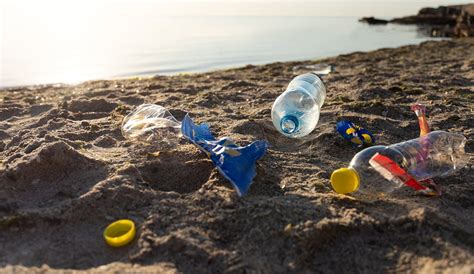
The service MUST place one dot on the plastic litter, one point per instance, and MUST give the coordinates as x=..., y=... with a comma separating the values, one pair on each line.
x=420, y=112
x=152, y=124
x=120, y=233
x=295, y=113
x=381, y=169
x=318, y=69
x=235, y=163
x=356, y=135
x=412, y=163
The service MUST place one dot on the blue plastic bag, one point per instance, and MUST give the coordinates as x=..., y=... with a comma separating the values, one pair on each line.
x=234, y=162
x=356, y=135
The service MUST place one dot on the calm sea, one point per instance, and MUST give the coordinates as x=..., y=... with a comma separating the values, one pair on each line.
x=69, y=50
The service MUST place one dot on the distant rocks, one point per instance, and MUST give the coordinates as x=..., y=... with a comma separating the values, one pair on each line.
x=373, y=21
x=444, y=21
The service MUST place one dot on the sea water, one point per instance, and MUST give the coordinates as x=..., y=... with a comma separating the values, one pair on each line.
x=95, y=43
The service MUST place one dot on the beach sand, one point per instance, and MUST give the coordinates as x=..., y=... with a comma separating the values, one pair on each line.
x=67, y=172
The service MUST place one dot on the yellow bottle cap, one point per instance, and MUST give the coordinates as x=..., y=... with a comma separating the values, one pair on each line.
x=120, y=233
x=345, y=180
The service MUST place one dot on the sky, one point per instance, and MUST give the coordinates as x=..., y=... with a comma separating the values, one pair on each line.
x=378, y=8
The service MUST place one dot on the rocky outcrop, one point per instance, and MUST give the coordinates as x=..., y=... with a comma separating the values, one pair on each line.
x=433, y=16
x=373, y=21
x=444, y=21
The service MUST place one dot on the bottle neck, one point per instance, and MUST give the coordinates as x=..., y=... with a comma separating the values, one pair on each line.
x=289, y=124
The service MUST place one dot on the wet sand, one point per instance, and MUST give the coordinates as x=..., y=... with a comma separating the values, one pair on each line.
x=66, y=172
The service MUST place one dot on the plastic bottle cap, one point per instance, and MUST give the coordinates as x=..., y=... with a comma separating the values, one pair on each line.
x=345, y=180
x=119, y=233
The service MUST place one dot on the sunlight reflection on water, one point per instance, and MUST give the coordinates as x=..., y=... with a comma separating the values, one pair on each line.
x=108, y=43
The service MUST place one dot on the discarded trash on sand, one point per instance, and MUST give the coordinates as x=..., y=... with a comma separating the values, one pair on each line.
x=420, y=111
x=318, y=69
x=154, y=124
x=413, y=163
x=295, y=113
x=120, y=233
x=235, y=163
x=356, y=135
x=381, y=169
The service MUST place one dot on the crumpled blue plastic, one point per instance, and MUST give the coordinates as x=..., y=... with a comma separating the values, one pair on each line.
x=234, y=162
x=356, y=135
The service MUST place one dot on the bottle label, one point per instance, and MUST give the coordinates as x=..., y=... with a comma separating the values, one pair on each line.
x=391, y=171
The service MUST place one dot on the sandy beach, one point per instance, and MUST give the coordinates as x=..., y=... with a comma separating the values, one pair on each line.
x=66, y=172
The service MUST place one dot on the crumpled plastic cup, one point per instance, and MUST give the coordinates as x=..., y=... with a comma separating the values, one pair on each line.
x=152, y=124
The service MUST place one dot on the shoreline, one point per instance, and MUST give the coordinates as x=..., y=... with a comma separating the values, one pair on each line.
x=66, y=172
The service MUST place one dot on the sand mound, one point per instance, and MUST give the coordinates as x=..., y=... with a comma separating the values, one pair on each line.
x=52, y=171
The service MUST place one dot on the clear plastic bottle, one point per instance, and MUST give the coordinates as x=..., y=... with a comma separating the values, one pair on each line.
x=153, y=125
x=295, y=113
x=438, y=153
